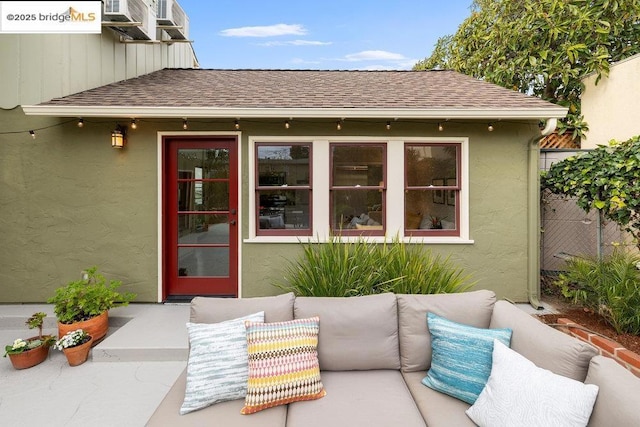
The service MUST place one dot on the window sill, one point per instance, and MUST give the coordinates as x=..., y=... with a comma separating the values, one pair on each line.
x=449, y=240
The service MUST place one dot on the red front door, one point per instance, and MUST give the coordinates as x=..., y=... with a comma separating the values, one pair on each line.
x=200, y=216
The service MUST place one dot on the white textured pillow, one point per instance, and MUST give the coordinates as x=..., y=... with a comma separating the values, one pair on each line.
x=218, y=367
x=520, y=393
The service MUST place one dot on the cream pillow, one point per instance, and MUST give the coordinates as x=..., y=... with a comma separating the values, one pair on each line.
x=520, y=393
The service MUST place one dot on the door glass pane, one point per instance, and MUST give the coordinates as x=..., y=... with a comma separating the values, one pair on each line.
x=203, y=196
x=203, y=163
x=201, y=261
x=202, y=229
x=357, y=209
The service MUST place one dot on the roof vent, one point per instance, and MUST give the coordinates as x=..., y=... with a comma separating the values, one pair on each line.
x=132, y=18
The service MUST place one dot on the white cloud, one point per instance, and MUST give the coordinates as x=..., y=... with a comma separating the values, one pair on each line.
x=374, y=55
x=265, y=31
x=295, y=43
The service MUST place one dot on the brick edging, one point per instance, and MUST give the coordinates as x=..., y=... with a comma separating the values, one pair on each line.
x=605, y=346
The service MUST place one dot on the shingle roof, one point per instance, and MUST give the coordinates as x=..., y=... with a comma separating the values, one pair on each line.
x=302, y=89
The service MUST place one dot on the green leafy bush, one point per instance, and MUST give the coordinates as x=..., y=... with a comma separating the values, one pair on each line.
x=610, y=286
x=88, y=297
x=360, y=267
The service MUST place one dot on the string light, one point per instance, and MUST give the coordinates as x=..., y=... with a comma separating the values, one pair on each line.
x=80, y=122
x=236, y=124
x=184, y=124
x=490, y=127
x=33, y=134
x=287, y=125
x=388, y=125
x=134, y=125
x=440, y=127
x=339, y=125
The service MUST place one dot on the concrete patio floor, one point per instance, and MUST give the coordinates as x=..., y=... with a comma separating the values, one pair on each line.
x=126, y=377
x=124, y=380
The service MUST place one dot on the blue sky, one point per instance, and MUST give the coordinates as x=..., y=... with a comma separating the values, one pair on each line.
x=320, y=34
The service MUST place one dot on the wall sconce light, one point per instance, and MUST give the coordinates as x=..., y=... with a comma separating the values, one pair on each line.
x=118, y=137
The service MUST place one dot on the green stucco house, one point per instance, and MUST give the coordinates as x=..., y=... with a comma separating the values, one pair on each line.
x=224, y=172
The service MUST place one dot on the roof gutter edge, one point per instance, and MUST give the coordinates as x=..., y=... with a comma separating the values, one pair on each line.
x=292, y=113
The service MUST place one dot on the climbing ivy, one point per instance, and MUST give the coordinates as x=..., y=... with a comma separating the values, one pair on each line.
x=606, y=178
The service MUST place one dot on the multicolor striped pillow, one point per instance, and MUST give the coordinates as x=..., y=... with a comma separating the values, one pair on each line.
x=462, y=356
x=217, y=369
x=283, y=363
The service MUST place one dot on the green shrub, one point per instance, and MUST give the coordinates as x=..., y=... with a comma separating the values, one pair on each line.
x=360, y=267
x=610, y=286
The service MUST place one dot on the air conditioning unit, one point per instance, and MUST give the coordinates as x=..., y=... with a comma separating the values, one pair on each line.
x=172, y=19
x=133, y=18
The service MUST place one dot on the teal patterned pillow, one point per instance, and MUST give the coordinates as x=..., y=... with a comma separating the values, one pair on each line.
x=218, y=368
x=462, y=357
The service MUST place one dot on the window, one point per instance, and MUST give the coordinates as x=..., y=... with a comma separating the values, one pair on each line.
x=432, y=189
x=357, y=188
x=283, y=189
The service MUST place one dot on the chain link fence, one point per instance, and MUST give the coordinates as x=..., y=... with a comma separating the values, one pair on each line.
x=567, y=230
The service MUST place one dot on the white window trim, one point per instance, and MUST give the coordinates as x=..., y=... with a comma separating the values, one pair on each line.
x=395, y=189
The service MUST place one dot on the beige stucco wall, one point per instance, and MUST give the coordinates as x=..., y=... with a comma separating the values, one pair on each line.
x=39, y=67
x=69, y=201
x=612, y=107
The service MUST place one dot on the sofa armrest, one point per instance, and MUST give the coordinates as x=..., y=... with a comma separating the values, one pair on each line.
x=545, y=346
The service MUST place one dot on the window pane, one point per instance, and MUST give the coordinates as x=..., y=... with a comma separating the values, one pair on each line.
x=353, y=209
x=280, y=165
x=430, y=210
x=431, y=165
x=203, y=164
x=284, y=209
x=357, y=165
x=203, y=262
x=203, y=229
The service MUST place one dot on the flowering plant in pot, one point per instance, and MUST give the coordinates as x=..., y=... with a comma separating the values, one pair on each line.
x=32, y=351
x=75, y=345
x=84, y=304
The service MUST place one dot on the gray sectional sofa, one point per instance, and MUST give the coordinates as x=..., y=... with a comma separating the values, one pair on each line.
x=375, y=350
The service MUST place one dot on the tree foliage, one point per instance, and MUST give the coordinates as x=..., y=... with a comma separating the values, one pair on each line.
x=541, y=47
x=607, y=179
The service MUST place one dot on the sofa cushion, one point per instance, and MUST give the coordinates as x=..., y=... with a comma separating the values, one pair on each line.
x=283, y=363
x=358, y=398
x=357, y=333
x=548, y=348
x=618, y=402
x=223, y=414
x=461, y=361
x=213, y=310
x=520, y=393
x=471, y=308
x=437, y=409
x=217, y=369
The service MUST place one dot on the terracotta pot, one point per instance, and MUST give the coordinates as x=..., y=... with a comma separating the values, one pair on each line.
x=97, y=327
x=29, y=358
x=79, y=354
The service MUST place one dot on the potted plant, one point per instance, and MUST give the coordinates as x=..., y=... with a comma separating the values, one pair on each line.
x=32, y=351
x=85, y=303
x=75, y=345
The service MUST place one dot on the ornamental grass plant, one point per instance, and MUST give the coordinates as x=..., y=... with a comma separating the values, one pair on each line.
x=359, y=266
x=609, y=286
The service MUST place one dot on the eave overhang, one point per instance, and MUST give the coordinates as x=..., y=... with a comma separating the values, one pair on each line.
x=320, y=113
